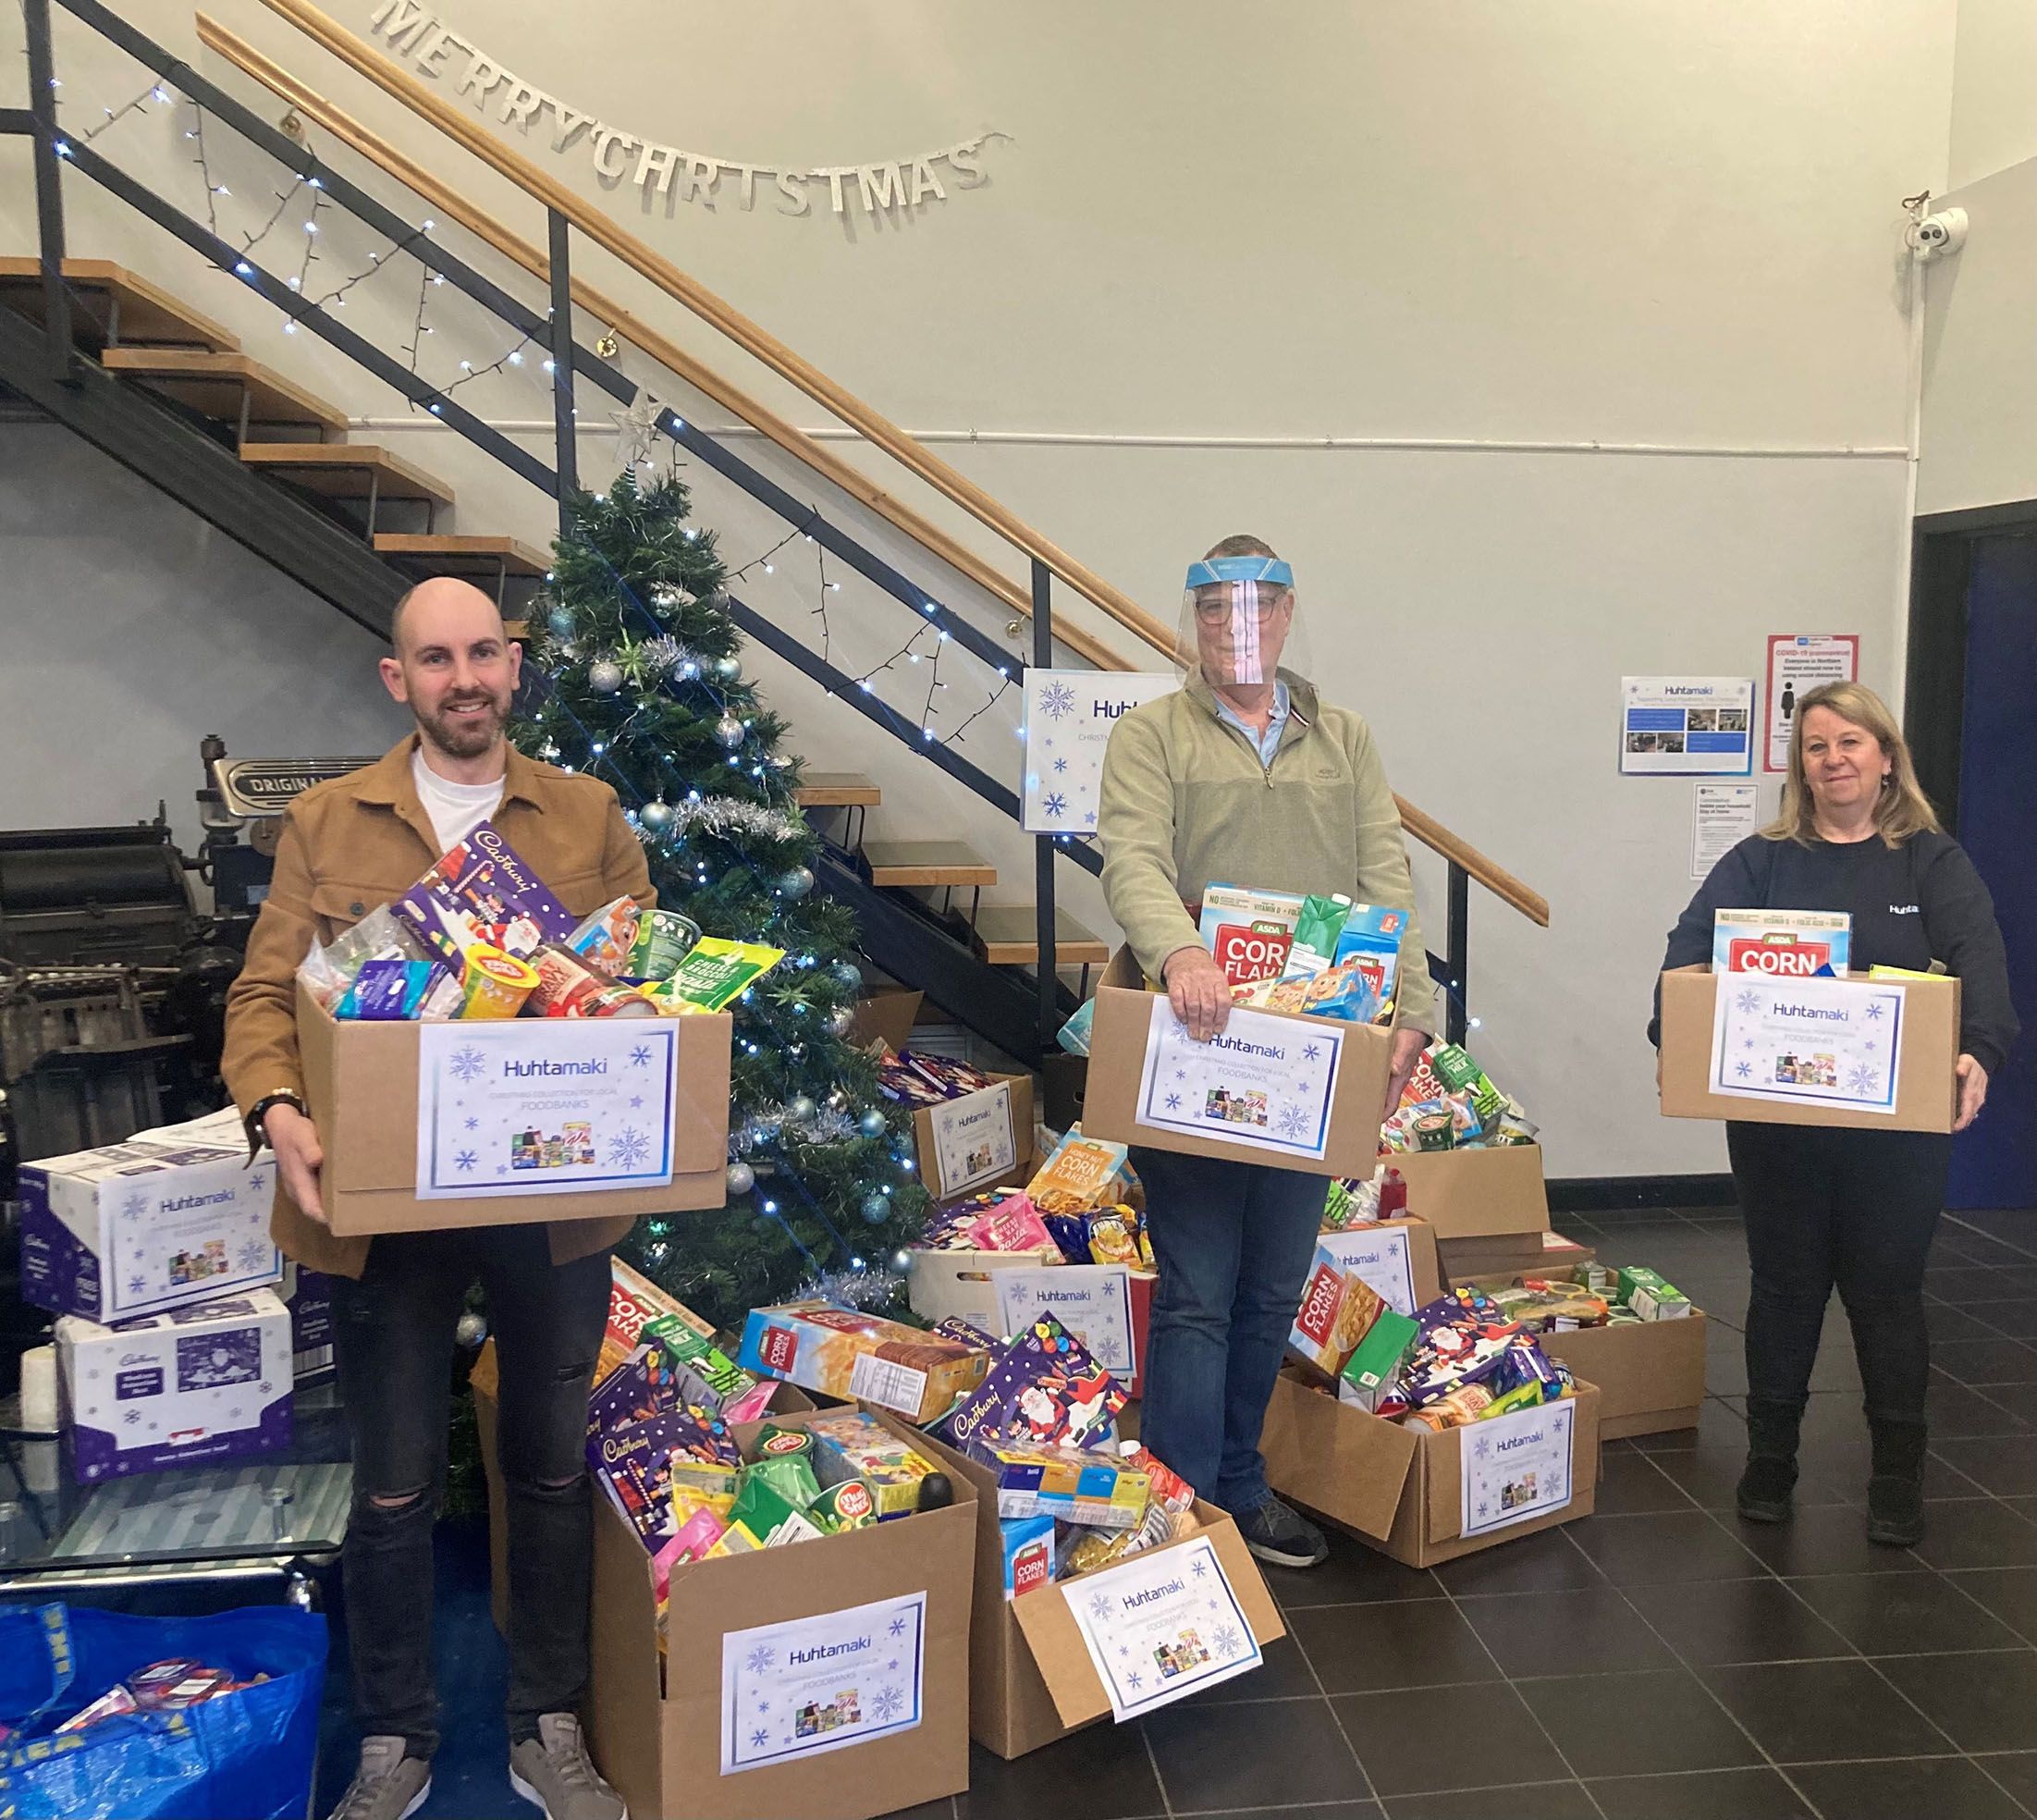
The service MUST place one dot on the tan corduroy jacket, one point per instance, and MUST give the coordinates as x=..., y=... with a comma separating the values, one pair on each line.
x=364, y=840
x=1187, y=803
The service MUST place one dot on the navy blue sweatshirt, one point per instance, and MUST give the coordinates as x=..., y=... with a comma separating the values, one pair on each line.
x=1910, y=905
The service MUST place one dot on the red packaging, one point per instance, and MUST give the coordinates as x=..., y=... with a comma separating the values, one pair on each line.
x=571, y=987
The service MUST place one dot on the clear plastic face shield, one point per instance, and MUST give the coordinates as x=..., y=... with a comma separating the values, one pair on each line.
x=1237, y=621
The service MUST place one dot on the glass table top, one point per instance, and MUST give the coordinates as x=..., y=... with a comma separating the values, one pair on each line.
x=277, y=1507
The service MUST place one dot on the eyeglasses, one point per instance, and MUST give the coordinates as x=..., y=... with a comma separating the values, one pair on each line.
x=1221, y=605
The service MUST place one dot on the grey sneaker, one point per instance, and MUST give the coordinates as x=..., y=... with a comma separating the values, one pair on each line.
x=387, y=1786
x=1277, y=1535
x=554, y=1770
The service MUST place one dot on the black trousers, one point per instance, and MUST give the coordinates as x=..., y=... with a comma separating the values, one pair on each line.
x=1829, y=1208
x=394, y=1336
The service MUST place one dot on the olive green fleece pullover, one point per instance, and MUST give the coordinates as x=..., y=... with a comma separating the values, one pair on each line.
x=1187, y=804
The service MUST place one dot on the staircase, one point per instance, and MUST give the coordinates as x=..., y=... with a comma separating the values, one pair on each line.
x=131, y=366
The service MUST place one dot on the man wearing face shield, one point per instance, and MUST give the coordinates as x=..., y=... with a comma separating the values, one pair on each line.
x=1246, y=777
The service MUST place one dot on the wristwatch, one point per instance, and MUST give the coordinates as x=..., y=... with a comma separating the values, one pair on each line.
x=260, y=1110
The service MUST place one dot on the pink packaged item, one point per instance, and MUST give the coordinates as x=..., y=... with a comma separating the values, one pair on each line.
x=697, y=1535
x=1014, y=1225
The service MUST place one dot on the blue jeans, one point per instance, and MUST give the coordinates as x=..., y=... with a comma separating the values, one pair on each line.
x=1234, y=1242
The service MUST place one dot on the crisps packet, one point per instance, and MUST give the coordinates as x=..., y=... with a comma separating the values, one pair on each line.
x=713, y=975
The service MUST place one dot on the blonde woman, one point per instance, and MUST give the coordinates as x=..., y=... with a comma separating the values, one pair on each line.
x=1829, y=1207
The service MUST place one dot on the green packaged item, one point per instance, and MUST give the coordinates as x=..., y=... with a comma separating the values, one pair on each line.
x=848, y=1506
x=789, y=1475
x=714, y=974
x=701, y=1356
x=766, y=1513
x=1378, y=1358
x=663, y=937
x=1521, y=1396
x=774, y=1442
x=1649, y=1296
x=1316, y=931
x=1459, y=1074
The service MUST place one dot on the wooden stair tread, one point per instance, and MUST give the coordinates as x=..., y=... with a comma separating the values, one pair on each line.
x=838, y=790
x=149, y=314
x=341, y=470
x=907, y=863
x=1008, y=935
x=212, y=383
x=447, y=554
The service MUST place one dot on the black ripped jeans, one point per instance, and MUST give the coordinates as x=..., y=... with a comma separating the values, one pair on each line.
x=393, y=1333
x=1830, y=1208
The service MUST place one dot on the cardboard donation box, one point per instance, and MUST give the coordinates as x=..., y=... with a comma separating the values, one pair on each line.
x=1275, y=1088
x=1510, y=1255
x=1650, y=1373
x=1034, y=1655
x=1424, y=1497
x=1396, y=1257
x=1107, y=1307
x=886, y=1015
x=495, y=1122
x=1874, y=1054
x=977, y=1140
x=1479, y=1192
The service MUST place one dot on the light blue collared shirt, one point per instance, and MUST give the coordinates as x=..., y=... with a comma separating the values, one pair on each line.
x=1267, y=742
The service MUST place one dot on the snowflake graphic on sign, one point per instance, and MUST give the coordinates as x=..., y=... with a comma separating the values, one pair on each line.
x=1860, y=1078
x=1056, y=803
x=1099, y=1606
x=1173, y=1102
x=1057, y=701
x=1227, y=1641
x=629, y=1149
x=1060, y=765
x=1482, y=1447
x=253, y=1255
x=1134, y=1680
x=1743, y=1069
x=758, y=1740
x=899, y=1626
x=134, y=1206
x=138, y=1285
x=759, y=1660
x=1294, y=1123
x=640, y=1057
x=1311, y=1052
x=465, y=1160
x=258, y=1181
x=467, y=1064
x=887, y=1704
x=1748, y=1002
x=473, y=1122
x=1200, y=1566
x=1874, y=1011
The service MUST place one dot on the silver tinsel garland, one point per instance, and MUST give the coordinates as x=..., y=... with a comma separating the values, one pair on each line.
x=665, y=654
x=826, y=1126
x=724, y=814
x=865, y=1289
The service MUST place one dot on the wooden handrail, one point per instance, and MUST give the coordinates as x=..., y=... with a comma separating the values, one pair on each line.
x=450, y=203
x=720, y=315
x=748, y=334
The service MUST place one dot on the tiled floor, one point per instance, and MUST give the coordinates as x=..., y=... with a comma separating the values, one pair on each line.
x=1656, y=1660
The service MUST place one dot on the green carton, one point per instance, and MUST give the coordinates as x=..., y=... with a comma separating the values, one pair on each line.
x=1376, y=1359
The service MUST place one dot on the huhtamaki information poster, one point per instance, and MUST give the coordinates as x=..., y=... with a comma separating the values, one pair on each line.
x=1686, y=726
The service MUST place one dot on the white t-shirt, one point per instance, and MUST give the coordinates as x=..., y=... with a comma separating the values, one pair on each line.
x=456, y=809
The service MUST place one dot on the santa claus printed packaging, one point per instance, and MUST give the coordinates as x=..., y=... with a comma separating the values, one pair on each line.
x=1043, y=1389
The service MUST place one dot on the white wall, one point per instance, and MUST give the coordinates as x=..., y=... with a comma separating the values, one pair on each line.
x=133, y=630
x=1610, y=223
x=1993, y=89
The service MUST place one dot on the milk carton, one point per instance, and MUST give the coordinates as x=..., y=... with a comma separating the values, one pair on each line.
x=171, y=1216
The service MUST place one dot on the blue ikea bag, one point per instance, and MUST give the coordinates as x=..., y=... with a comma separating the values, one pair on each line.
x=246, y=1755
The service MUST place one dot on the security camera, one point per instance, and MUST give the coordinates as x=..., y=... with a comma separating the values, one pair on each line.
x=1938, y=236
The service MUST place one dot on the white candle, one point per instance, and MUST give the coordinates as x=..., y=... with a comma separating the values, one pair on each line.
x=39, y=1389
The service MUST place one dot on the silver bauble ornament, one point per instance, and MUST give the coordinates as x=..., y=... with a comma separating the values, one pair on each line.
x=848, y=976
x=549, y=752
x=605, y=677
x=656, y=815
x=842, y=1020
x=872, y=1123
x=876, y=1208
x=560, y=619
x=795, y=883
x=717, y=602
x=800, y=1109
x=667, y=598
x=471, y=1330
x=727, y=669
x=837, y=1102
x=742, y=1178
x=728, y=730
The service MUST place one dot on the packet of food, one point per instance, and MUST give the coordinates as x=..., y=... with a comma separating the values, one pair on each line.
x=607, y=936
x=713, y=975
x=1110, y=1237
x=1316, y=931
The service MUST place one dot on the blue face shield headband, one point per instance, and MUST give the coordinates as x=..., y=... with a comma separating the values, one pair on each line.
x=1268, y=570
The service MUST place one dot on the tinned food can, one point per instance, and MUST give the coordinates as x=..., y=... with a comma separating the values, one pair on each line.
x=570, y=986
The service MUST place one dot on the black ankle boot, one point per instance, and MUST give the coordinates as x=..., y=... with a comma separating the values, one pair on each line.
x=1896, y=1492
x=1764, y=1490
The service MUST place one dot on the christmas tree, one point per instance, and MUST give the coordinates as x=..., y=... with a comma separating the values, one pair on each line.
x=632, y=674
